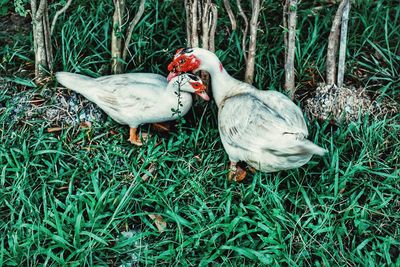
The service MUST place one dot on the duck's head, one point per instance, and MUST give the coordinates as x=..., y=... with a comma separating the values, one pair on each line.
x=184, y=60
x=191, y=59
x=190, y=83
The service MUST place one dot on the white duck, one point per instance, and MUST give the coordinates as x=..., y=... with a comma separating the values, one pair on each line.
x=263, y=128
x=137, y=98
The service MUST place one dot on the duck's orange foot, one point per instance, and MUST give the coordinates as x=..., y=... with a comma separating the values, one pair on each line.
x=236, y=173
x=134, y=137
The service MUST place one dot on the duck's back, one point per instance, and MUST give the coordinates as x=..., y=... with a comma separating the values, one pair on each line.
x=133, y=78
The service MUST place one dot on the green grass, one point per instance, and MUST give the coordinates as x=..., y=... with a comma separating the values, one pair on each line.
x=67, y=197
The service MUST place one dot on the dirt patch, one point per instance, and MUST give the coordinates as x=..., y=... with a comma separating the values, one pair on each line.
x=59, y=107
x=346, y=104
x=13, y=27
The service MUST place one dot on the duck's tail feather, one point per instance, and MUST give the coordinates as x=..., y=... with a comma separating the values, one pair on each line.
x=76, y=82
x=311, y=148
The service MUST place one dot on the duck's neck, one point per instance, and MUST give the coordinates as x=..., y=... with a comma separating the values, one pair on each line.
x=221, y=81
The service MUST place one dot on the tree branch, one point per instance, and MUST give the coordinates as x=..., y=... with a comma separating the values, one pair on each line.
x=116, y=36
x=58, y=13
x=246, y=28
x=291, y=45
x=195, y=37
x=230, y=14
x=249, y=75
x=40, y=10
x=33, y=8
x=343, y=43
x=131, y=27
x=285, y=27
x=213, y=27
x=47, y=38
x=188, y=24
x=205, y=25
x=332, y=46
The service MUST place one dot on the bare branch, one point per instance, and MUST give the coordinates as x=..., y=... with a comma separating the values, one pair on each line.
x=116, y=36
x=343, y=43
x=230, y=14
x=333, y=45
x=195, y=37
x=213, y=27
x=249, y=75
x=131, y=27
x=246, y=28
x=285, y=27
x=205, y=25
x=33, y=8
x=188, y=24
x=291, y=45
x=41, y=37
x=58, y=13
x=47, y=37
x=39, y=12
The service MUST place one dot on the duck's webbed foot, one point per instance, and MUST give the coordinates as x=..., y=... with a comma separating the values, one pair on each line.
x=236, y=173
x=134, y=138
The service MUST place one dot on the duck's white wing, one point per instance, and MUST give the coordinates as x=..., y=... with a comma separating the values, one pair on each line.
x=129, y=96
x=111, y=82
x=249, y=122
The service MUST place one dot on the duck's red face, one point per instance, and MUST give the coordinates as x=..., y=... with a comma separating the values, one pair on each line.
x=200, y=90
x=198, y=86
x=183, y=61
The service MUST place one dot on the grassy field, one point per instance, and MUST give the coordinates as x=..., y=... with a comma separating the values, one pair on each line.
x=83, y=196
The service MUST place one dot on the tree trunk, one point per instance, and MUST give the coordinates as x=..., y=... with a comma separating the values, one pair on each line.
x=343, y=43
x=41, y=38
x=246, y=28
x=333, y=46
x=230, y=14
x=116, y=36
x=201, y=23
x=290, y=41
x=249, y=75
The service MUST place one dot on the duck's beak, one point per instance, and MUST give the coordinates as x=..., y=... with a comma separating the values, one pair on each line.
x=202, y=93
x=172, y=75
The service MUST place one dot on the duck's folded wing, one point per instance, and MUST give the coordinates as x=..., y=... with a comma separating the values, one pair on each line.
x=127, y=97
x=248, y=122
x=115, y=81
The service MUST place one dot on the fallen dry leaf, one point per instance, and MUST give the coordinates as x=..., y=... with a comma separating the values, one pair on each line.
x=152, y=170
x=54, y=129
x=159, y=222
x=161, y=127
x=86, y=124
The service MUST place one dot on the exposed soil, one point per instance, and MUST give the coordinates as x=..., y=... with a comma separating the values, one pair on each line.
x=345, y=104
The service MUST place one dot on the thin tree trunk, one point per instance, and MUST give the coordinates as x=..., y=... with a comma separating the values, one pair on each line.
x=213, y=27
x=333, y=45
x=47, y=37
x=195, y=37
x=205, y=25
x=230, y=14
x=285, y=28
x=291, y=45
x=41, y=35
x=58, y=13
x=129, y=31
x=343, y=43
x=246, y=28
x=188, y=24
x=116, y=36
x=201, y=22
x=249, y=75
